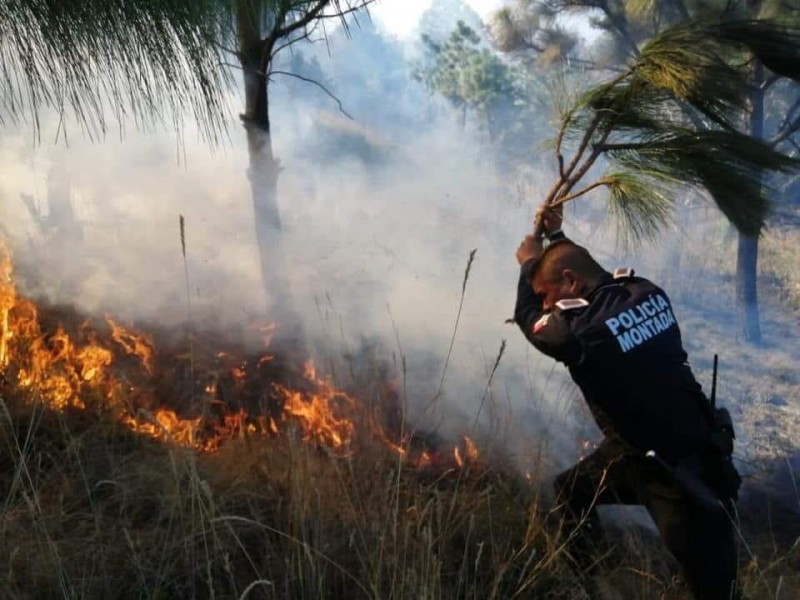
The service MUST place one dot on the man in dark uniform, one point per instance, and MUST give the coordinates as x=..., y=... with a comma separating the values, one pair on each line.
x=618, y=336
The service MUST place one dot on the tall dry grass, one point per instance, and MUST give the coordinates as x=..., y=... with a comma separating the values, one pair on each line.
x=92, y=510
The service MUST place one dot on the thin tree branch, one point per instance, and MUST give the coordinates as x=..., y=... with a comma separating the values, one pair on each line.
x=319, y=85
x=314, y=15
x=563, y=179
x=284, y=11
x=680, y=6
x=791, y=180
x=589, y=64
x=575, y=159
x=596, y=152
x=530, y=45
x=580, y=193
x=224, y=48
x=620, y=26
x=306, y=37
x=620, y=147
x=343, y=13
x=311, y=15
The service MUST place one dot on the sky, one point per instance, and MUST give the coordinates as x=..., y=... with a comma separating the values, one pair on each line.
x=400, y=16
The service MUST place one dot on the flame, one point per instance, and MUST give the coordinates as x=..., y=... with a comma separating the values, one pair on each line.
x=135, y=343
x=165, y=424
x=322, y=412
x=93, y=360
x=66, y=366
x=8, y=297
x=425, y=460
x=470, y=453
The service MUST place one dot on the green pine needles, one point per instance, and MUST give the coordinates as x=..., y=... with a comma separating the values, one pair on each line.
x=667, y=124
x=151, y=60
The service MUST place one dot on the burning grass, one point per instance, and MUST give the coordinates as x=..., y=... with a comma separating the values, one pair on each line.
x=94, y=510
x=131, y=468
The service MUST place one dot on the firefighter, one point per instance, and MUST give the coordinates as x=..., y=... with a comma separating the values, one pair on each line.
x=663, y=446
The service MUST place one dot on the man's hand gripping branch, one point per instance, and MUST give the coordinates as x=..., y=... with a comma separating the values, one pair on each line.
x=546, y=223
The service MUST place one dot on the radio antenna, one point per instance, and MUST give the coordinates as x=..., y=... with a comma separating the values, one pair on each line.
x=714, y=383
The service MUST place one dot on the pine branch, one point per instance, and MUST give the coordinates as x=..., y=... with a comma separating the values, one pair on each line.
x=587, y=137
x=650, y=121
x=586, y=190
x=588, y=163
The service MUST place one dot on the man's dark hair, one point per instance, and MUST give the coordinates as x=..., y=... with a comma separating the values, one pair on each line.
x=565, y=254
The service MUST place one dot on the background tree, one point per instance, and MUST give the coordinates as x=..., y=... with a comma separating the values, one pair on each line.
x=156, y=60
x=529, y=31
x=260, y=30
x=470, y=77
x=772, y=103
x=442, y=16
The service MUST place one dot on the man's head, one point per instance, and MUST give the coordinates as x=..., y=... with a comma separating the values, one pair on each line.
x=565, y=270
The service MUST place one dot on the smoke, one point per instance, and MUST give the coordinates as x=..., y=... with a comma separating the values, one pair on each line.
x=380, y=215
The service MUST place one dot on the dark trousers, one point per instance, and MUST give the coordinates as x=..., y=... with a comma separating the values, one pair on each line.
x=703, y=542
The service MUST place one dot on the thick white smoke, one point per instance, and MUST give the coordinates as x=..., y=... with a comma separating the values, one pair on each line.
x=380, y=215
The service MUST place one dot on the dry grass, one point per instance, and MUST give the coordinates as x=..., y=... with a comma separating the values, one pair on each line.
x=780, y=263
x=92, y=510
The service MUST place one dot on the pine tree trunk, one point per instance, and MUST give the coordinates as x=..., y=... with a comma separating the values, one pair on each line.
x=746, y=287
x=747, y=254
x=263, y=171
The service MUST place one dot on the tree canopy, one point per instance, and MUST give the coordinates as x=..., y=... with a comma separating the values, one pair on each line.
x=469, y=76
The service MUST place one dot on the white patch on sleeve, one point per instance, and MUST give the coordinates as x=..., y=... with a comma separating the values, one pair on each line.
x=571, y=303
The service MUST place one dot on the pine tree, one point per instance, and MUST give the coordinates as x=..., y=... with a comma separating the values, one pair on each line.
x=766, y=70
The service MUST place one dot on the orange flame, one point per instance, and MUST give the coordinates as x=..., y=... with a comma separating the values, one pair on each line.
x=323, y=412
x=8, y=298
x=470, y=453
x=62, y=370
x=165, y=424
x=135, y=343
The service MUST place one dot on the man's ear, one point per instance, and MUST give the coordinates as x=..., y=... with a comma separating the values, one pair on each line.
x=571, y=279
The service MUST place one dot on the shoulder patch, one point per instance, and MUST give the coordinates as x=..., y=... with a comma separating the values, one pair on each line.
x=539, y=325
x=623, y=273
x=571, y=303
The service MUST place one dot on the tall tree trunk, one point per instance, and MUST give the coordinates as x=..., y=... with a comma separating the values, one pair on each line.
x=747, y=254
x=264, y=169
x=746, y=287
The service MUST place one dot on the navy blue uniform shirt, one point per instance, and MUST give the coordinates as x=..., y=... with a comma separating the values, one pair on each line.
x=622, y=346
